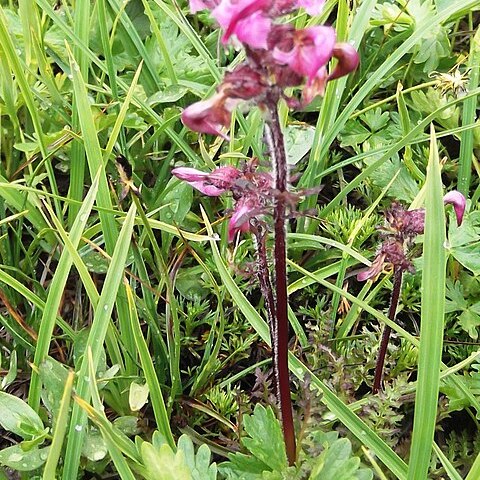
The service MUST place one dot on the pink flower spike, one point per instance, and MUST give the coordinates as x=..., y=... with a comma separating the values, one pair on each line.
x=313, y=48
x=312, y=7
x=459, y=203
x=348, y=60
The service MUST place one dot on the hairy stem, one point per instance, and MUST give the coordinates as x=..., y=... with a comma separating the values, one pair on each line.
x=263, y=275
x=392, y=312
x=282, y=375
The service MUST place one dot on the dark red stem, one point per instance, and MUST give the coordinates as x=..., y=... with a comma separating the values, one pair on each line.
x=281, y=328
x=392, y=312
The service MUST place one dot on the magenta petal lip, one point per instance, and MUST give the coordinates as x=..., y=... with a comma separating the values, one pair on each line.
x=189, y=174
x=312, y=7
x=459, y=203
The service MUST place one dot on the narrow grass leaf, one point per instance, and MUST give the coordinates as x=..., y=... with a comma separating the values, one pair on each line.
x=468, y=117
x=55, y=295
x=432, y=320
x=156, y=396
x=95, y=341
x=49, y=472
x=447, y=465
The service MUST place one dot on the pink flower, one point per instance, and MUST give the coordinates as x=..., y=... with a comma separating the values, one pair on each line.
x=209, y=116
x=245, y=209
x=458, y=201
x=211, y=184
x=312, y=7
x=312, y=49
x=245, y=19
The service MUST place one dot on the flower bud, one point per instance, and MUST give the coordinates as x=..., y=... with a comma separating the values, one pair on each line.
x=458, y=201
x=348, y=60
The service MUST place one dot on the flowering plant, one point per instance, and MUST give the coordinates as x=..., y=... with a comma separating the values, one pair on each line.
x=277, y=56
x=402, y=226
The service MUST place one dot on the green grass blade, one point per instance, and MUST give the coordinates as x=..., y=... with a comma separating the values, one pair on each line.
x=432, y=321
x=151, y=79
x=49, y=472
x=156, y=397
x=121, y=115
x=95, y=341
x=119, y=461
x=19, y=71
x=55, y=294
x=81, y=29
x=447, y=465
x=474, y=472
x=468, y=117
x=94, y=155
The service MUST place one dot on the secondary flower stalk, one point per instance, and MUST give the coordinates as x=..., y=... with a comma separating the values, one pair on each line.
x=402, y=226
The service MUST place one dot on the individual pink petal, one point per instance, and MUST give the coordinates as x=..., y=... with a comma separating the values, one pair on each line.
x=207, y=189
x=189, y=174
x=313, y=48
x=312, y=7
x=375, y=269
x=348, y=60
x=211, y=184
x=316, y=87
x=197, y=5
x=254, y=30
x=459, y=203
x=199, y=180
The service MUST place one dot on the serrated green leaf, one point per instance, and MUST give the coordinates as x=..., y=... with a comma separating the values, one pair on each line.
x=265, y=440
x=336, y=463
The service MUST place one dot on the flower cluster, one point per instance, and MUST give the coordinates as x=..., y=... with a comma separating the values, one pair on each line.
x=402, y=226
x=251, y=189
x=278, y=55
